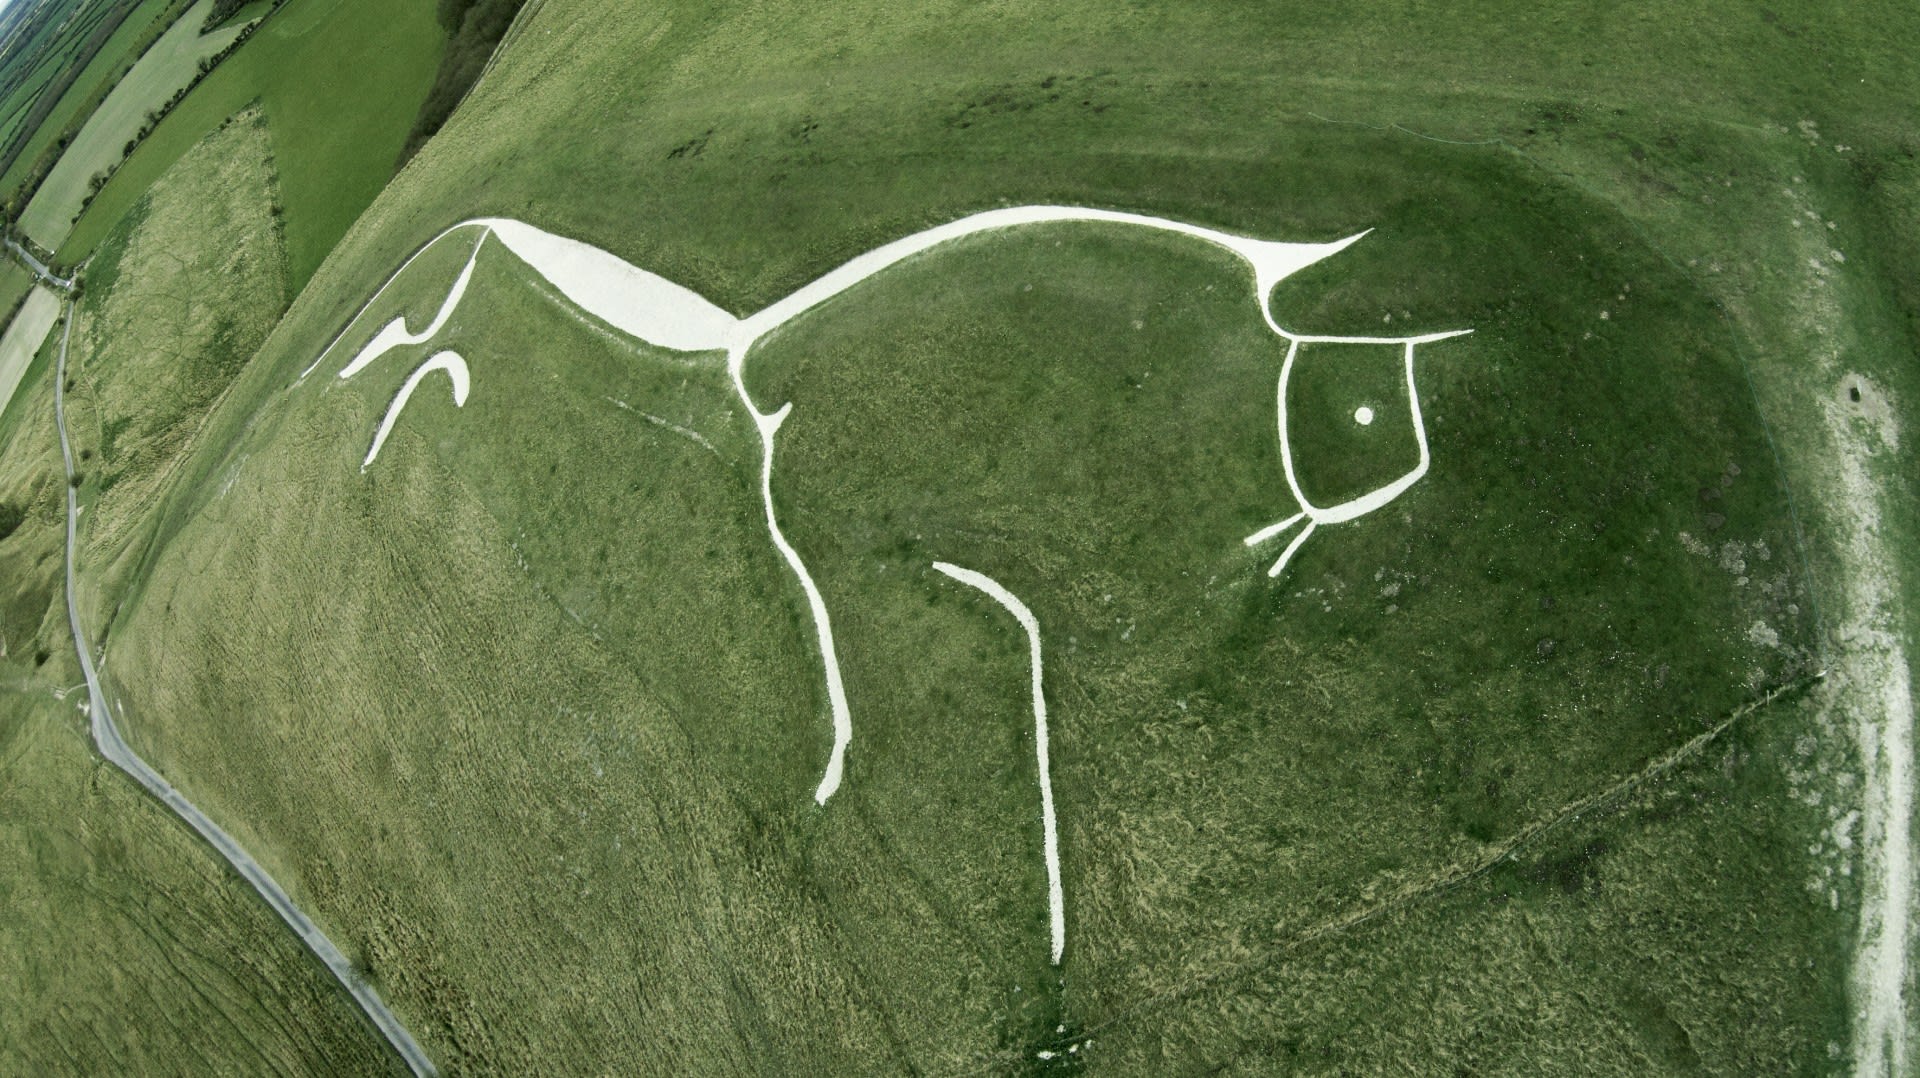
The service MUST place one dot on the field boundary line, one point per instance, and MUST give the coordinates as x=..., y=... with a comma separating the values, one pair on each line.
x=1446, y=880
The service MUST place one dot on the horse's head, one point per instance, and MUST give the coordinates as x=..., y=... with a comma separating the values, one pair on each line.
x=1352, y=420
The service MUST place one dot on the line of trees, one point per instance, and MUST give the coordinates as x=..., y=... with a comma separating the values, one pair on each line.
x=49, y=95
x=222, y=11
x=50, y=156
x=154, y=116
x=474, y=28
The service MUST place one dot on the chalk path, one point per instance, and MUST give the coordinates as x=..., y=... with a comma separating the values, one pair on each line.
x=1056, y=895
x=106, y=736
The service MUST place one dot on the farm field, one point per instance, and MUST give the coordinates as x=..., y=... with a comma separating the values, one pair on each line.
x=23, y=338
x=113, y=60
x=339, y=82
x=165, y=69
x=71, y=41
x=1584, y=754
x=15, y=282
x=34, y=52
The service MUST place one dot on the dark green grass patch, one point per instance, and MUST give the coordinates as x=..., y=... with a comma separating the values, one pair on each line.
x=1088, y=416
x=1350, y=419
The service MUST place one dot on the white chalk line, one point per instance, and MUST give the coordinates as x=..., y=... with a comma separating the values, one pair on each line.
x=1366, y=503
x=676, y=428
x=1050, y=832
x=660, y=312
x=446, y=308
x=456, y=369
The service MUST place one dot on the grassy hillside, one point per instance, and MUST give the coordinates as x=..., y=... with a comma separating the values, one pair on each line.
x=578, y=669
x=32, y=619
x=148, y=361
x=529, y=713
x=130, y=947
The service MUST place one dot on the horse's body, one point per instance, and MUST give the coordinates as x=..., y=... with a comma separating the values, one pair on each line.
x=662, y=313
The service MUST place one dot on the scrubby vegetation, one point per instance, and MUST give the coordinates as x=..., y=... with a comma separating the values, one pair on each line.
x=474, y=28
x=223, y=10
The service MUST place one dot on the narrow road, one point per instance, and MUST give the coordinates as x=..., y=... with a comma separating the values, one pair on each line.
x=40, y=270
x=107, y=737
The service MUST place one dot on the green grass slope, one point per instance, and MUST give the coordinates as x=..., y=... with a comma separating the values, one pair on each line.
x=150, y=357
x=529, y=713
x=129, y=947
x=579, y=678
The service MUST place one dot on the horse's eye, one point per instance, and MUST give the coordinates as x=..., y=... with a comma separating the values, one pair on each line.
x=1348, y=424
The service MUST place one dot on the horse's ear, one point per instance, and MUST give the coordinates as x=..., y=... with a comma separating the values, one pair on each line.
x=1274, y=262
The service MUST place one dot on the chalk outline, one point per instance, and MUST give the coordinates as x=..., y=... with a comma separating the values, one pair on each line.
x=1353, y=507
x=456, y=369
x=1050, y=832
x=660, y=312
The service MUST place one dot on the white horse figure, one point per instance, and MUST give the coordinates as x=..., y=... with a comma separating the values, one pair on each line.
x=664, y=314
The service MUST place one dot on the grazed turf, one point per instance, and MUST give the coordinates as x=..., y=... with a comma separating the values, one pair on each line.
x=575, y=676
x=129, y=948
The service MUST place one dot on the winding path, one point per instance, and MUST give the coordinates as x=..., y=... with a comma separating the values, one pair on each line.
x=106, y=736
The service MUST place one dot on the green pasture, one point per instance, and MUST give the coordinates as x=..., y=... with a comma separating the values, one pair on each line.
x=168, y=66
x=132, y=948
x=45, y=52
x=339, y=81
x=112, y=62
x=31, y=54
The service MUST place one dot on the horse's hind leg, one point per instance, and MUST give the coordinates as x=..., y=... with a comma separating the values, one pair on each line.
x=395, y=333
